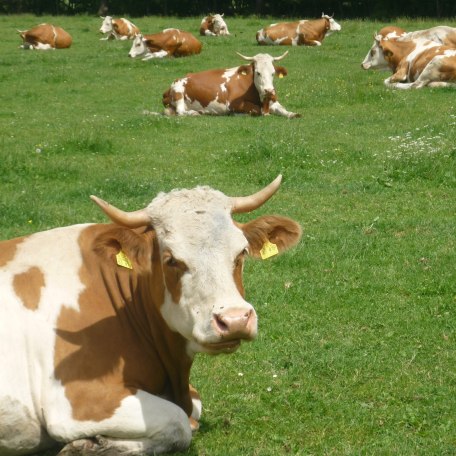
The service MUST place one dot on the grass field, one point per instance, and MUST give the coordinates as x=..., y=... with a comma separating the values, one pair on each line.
x=357, y=325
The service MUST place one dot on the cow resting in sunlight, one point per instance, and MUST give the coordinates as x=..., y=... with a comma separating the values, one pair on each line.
x=44, y=37
x=100, y=323
x=246, y=89
x=118, y=29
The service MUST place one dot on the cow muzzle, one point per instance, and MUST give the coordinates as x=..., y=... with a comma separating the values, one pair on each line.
x=235, y=325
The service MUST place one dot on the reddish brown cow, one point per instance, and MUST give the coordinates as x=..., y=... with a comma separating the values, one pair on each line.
x=213, y=25
x=246, y=89
x=304, y=32
x=118, y=29
x=169, y=42
x=45, y=36
x=100, y=323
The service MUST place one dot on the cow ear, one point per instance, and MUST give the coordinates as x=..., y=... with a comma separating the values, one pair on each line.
x=244, y=69
x=280, y=71
x=280, y=231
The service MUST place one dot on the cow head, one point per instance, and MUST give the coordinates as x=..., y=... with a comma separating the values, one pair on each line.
x=375, y=58
x=263, y=69
x=332, y=26
x=202, y=253
x=218, y=24
x=138, y=47
x=106, y=26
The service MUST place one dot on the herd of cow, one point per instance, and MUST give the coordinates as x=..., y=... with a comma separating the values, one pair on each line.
x=100, y=323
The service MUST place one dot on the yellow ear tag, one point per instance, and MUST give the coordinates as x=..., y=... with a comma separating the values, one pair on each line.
x=123, y=260
x=244, y=73
x=280, y=75
x=268, y=250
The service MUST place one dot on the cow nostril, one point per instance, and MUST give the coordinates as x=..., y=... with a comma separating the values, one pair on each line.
x=221, y=325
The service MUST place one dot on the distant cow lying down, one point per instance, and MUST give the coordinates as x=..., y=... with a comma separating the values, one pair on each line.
x=214, y=25
x=44, y=37
x=441, y=34
x=169, y=42
x=118, y=29
x=416, y=63
x=304, y=32
x=246, y=89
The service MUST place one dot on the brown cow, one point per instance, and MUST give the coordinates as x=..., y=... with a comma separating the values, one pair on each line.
x=44, y=37
x=118, y=29
x=169, y=42
x=246, y=89
x=213, y=25
x=100, y=323
x=304, y=32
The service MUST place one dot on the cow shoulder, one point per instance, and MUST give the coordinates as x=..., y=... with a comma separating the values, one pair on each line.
x=281, y=231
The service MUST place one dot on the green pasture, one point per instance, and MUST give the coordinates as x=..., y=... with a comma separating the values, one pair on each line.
x=357, y=325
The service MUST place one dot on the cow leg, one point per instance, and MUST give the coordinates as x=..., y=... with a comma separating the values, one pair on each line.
x=142, y=424
x=245, y=107
x=155, y=55
x=277, y=109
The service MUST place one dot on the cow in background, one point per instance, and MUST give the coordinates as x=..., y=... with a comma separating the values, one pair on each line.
x=299, y=33
x=168, y=43
x=246, y=89
x=214, y=25
x=118, y=29
x=441, y=34
x=44, y=37
x=100, y=323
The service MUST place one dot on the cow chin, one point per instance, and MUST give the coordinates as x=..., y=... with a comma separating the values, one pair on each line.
x=217, y=348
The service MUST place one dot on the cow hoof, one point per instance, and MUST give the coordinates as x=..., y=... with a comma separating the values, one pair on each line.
x=81, y=447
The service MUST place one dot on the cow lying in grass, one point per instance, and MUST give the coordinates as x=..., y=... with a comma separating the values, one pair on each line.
x=44, y=37
x=118, y=29
x=416, y=63
x=298, y=33
x=168, y=43
x=246, y=89
x=214, y=25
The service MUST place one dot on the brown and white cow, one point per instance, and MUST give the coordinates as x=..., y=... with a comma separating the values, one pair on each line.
x=118, y=29
x=417, y=63
x=214, y=25
x=441, y=34
x=44, y=37
x=246, y=89
x=299, y=33
x=168, y=43
x=99, y=323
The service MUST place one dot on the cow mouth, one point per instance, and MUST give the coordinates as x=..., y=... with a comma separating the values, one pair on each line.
x=229, y=346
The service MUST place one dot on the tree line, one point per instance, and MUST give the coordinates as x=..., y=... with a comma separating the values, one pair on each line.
x=372, y=9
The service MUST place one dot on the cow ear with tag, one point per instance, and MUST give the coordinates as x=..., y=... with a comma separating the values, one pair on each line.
x=280, y=71
x=244, y=70
x=270, y=235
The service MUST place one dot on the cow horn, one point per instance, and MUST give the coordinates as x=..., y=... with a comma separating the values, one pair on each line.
x=276, y=59
x=133, y=219
x=244, y=57
x=249, y=203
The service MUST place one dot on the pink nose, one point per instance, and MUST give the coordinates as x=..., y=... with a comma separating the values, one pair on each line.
x=236, y=324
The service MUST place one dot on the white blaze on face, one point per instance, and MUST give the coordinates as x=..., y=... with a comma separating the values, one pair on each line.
x=220, y=27
x=333, y=25
x=375, y=58
x=263, y=76
x=106, y=26
x=138, y=47
x=195, y=228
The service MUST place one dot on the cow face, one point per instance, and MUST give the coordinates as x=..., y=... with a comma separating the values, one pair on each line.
x=139, y=46
x=333, y=25
x=263, y=74
x=202, y=253
x=106, y=26
x=219, y=25
x=375, y=58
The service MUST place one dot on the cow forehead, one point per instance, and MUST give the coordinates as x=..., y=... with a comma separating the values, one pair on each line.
x=189, y=220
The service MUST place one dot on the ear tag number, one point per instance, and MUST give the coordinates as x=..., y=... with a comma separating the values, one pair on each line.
x=268, y=250
x=123, y=260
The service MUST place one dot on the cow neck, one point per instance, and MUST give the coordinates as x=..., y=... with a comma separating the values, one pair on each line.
x=401, y=50
x=116, y=339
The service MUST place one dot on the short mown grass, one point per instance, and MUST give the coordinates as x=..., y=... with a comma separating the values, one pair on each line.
x=356, y=347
